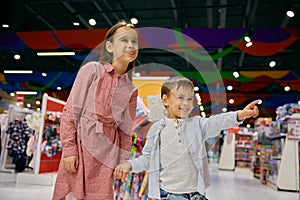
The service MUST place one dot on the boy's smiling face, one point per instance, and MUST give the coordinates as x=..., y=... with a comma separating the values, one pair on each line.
x=179, y=102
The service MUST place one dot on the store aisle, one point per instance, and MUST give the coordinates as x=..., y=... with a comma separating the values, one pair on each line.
x=226, y=185
x=241, y=185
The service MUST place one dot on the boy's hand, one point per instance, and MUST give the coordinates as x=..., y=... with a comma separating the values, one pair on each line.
x=121, y=171
x=251, y=110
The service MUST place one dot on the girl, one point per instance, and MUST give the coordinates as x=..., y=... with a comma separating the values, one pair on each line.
x=97, y=121
x=174, y=153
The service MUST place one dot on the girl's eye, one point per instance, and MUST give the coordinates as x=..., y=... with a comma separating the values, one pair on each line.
x=190, y=99
x=180, y=98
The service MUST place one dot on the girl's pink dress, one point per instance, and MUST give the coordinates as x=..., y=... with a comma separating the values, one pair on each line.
x=96, y=125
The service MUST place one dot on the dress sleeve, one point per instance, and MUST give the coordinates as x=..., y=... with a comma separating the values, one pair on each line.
x=125, y=138
x=72, y=110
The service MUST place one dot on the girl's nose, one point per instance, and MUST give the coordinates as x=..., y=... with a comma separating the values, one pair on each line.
x=130, y=44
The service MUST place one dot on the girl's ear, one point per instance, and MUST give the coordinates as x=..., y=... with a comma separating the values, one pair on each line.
x=108, y=46
x=164, y=100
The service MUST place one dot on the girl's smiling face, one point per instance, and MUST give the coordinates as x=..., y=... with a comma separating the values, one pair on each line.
x=179, y=102
x=124, y=45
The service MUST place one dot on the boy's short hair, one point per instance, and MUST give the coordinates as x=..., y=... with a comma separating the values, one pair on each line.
x=175, y=82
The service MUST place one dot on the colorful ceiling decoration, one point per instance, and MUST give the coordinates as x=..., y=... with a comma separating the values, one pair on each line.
x=266, y=42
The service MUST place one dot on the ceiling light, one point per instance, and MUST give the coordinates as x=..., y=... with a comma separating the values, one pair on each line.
x=247, y=39
x=290, y=13
x=5, y=25
x=12, y=94
x=92, y=22
x=203, y=114
x=38, y=109
x=76, y=23
x=248, y=44
x=134, y=20
x=44, y=74
x=224, y=109
x=229, y=87
x=27, y=92
x=196, y=88
x=28, y=105
x=58, y=88
x=17, y=56
x=272, y=63
x=287, y=88
x=248, y=125
x=71, y=53
x=236, y=74
x=18, y=71
x=37, y=102
x=231, y=101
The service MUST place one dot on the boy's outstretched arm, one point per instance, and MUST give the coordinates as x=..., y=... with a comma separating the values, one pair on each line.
x=251, y=110
x=121, y=171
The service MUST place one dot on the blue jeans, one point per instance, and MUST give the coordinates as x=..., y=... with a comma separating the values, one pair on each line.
x=190, y=196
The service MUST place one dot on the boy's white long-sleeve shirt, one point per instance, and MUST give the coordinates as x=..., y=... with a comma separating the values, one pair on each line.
x=195, y=131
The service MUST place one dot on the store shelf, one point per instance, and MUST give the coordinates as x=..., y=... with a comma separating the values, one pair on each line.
x=244, y=149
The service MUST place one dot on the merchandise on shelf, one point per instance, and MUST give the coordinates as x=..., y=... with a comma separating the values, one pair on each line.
x=244, y=148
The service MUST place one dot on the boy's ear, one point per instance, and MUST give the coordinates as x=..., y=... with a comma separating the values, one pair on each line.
x=164, y=100
x=108, y=46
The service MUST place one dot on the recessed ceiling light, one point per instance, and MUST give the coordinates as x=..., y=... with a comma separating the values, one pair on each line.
x=249, y=44
x=236, y=74
x=290, y=13
x=17, y=56
x=229, y=87
x=92, y=22
x=134, y=20
x=287, y=88
x=247, y=39
x=272, y=63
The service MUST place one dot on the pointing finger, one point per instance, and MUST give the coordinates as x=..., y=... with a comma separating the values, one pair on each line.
x=253, y=103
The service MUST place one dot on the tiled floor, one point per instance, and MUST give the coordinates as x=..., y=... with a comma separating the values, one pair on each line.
x=226, y=185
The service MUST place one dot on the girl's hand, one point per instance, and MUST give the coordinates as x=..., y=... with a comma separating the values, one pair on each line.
x=71, y=163
x=251, y=110
x=121, y=171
